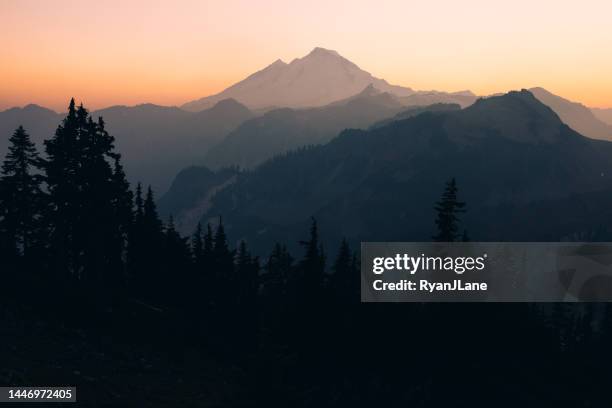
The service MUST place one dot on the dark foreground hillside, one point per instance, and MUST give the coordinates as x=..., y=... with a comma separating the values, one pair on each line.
x=135, y=357
x=391, y=355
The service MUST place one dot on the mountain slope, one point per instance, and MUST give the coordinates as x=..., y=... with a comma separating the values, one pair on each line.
x=189, y=196
x=508, y=153
x=281, y=130
x=416, y=110
x=605, y=115
x=158, y=141
x=321, y=77
x=575, y=115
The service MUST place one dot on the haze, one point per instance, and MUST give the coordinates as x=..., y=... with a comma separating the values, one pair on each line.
x=170, y=52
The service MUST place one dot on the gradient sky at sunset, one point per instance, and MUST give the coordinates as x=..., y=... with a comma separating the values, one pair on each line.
x=169, y=52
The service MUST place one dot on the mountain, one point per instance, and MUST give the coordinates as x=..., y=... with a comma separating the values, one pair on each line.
x=155, y=141
x=605, y=115
x=281, y=130
x=39, y=122
x=518, y=167
x=417, y=110
x=463, y=98
x=320, y=78
x=189, y=196
x=575, y=115
x=158, y=141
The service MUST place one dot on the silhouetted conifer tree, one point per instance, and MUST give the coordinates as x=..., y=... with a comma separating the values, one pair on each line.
x=312, y=266
x=277, y=271
x=22, y=201
x=247, y=278
x=150, y=273
x=345, y=279
x=121, y=201
x=223, y=267
x=89, y=197
x=197, y=247
x=136, y=243
x=447, y=210
x=247, y=274
x=177, y=257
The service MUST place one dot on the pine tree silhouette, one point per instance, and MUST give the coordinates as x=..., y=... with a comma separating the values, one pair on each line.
x=90, y=200
x=345, y=279
x=247, y=273
x=136, y=244
x=277, y=271
x=247, y=278
x=22, y=201
x=197, y=247
x=151, y=271
x=447, y=210
x=223, y=269
x=177, y=265
x=312, y=266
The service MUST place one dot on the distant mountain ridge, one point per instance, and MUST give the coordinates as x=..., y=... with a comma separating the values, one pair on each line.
x=510, y=154
x=156, y=142
x=320, y=78
x=281, y=130
x=605, y=115
x=574, y=114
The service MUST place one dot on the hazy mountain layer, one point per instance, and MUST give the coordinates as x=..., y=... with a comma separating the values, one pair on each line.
x=575, y=115
x=417, y=110
x=605, y=115
x=464, y=98
x=190, y=194
x=156, y=141
x=512, y=156
x=39, y=122
x=281, y=130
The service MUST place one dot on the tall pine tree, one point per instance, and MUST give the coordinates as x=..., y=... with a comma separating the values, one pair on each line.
x=312, y=266
x=22, y=201
x=447, y=218
x=90, y=203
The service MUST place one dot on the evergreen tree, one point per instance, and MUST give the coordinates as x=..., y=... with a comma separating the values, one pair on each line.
x=312, y=266
x=247, y=284
x=90, y=203
x=447, y=210
x=177, y=257
x=21, y=199
x=277, y=271
x=139, y=206
x=197, y=247
x=223, y=267
x=121, y=202
x=61, y=171
x=136, y=247
x=247, y=271
x=150, y=274
x=344, y=278
x=208, y=242
x=152, y=224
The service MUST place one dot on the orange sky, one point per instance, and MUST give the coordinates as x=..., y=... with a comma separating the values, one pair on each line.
x=169, y=52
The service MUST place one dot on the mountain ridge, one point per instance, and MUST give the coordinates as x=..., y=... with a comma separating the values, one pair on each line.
x=321, y=77
x=574, y=114
x=381, y=184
